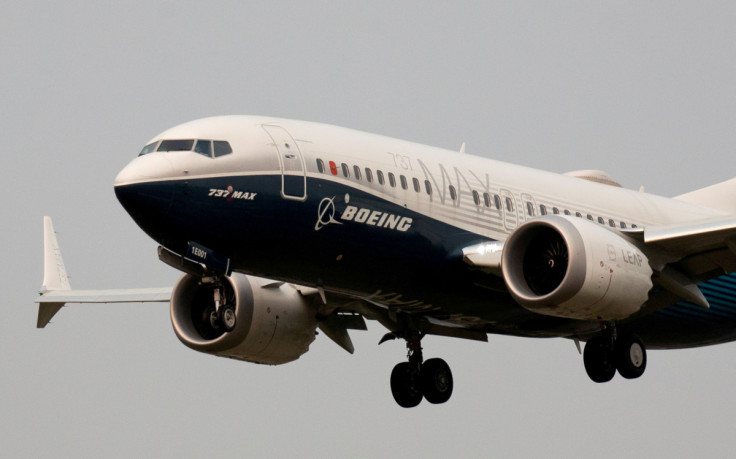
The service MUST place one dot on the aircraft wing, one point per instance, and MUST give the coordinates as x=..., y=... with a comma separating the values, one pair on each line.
x=57, y=291
x=683, y=255
x=50, y=302
x=711, y=239
x=139, y=295
x=701, y=250
x=695, y=237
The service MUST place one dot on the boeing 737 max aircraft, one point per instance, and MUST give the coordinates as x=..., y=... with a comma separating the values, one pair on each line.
x=282, y=227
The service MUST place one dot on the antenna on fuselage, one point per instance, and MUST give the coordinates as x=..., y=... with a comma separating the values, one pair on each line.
x=462, y=148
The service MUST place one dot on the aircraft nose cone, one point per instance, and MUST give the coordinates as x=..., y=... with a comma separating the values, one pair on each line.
x=146, y=191
x=145, y=168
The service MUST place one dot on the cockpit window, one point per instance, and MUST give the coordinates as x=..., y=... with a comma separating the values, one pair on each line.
x=208, y=148
x=148, y=148
x=176, y=145
x=222, y=148
x=204, y=147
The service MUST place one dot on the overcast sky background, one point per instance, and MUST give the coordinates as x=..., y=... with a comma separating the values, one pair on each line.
x=643, y=90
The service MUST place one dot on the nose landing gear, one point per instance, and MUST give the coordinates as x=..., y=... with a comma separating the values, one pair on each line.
x=416, y=379
x=222, y=315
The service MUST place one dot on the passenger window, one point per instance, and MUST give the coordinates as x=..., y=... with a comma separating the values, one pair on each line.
x=601, y=221
x=392, y=179
x=368, y=174
x=428, y=187
x=453, y=193
x=509, y=205
x=345, y=170
x=567, y=212
x=611, y=223
x=222, y=148
x=578, y=214
x=148, y=148
x=530, y=209
x=404, y=183
x=417, y=187
x=176, y=145
x=356, y=170
x=204, y=147
x=634, y=226
x=476, y=198
x=623, y=225
x=320, y=166
x=381, y=181
x=555, y=211
x=590, y=217
x=497, y=201
x=542, y=209
x=487, y=199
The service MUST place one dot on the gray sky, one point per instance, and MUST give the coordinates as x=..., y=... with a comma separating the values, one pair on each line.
x=643, y=90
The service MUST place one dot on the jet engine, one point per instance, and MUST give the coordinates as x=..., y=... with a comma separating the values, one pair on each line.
x=274, y=322
x=569, y=267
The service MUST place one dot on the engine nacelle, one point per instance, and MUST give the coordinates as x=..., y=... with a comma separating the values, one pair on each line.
x=569, y=267
x=274, y=324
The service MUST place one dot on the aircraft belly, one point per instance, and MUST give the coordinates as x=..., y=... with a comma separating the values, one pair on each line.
x=357, y=243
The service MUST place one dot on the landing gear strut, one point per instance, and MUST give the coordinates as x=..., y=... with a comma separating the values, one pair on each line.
x=607, y=353
x=222, y=315
x=416, y=379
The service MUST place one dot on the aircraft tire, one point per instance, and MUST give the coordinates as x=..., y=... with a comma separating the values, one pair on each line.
x=631, y=356
x=598, y=358
x=436, y=381
x=211, y=318
x=404, y=385
x=227, y=318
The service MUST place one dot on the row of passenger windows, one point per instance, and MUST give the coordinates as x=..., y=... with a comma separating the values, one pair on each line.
x=543, y=211
x=209, y=148
x=488, y=200
x=380, y=177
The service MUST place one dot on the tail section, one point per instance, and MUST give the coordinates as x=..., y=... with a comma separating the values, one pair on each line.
x=54, y=273
x=721, y=196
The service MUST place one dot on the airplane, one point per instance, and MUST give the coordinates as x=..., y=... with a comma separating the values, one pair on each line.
x=282, y=227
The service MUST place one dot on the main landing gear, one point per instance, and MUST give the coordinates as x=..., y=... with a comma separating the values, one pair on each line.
x=416, y=379
x=222, y=315
x=607, y=353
